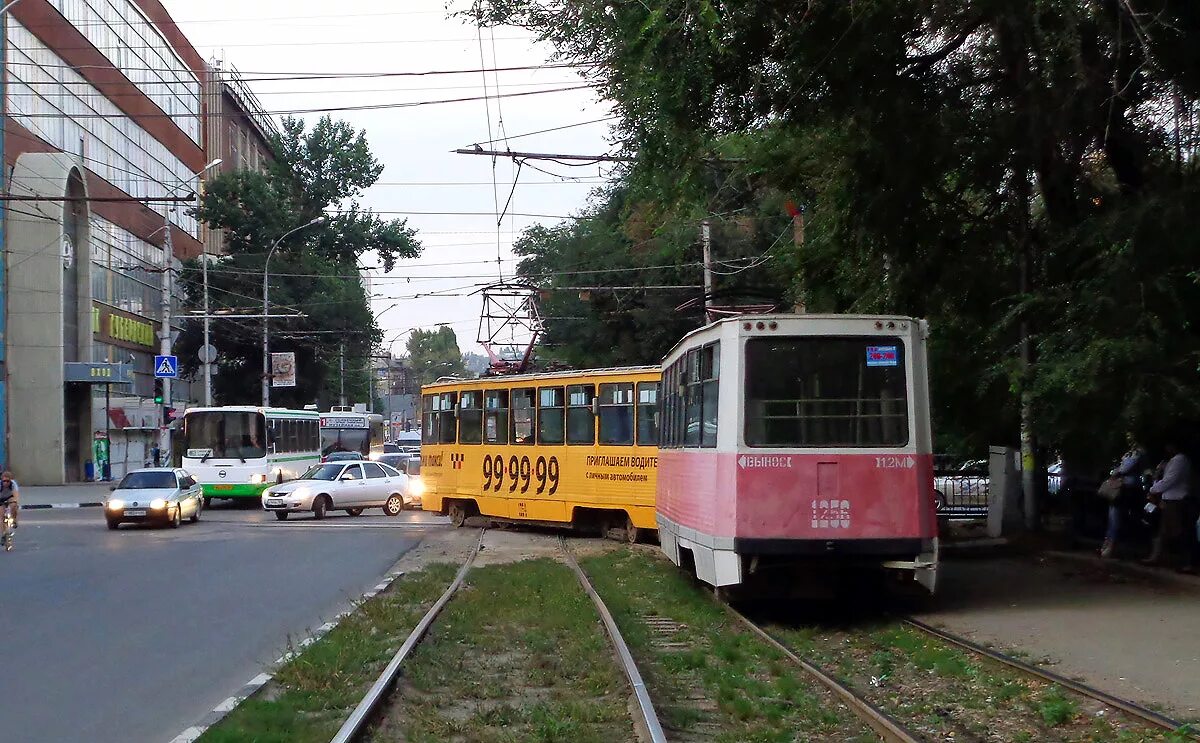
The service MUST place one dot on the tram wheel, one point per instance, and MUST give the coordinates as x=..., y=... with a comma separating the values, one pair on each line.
x=458, y=514
x=631, y=531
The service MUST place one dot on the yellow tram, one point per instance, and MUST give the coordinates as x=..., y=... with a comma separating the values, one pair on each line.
x=578, y=448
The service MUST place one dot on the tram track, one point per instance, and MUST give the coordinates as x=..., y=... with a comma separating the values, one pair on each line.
x=1132, y=709
x=364, y=712
x=884, y=725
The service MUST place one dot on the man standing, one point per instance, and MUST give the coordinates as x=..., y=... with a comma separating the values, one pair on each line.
x=1170, y=494
x=10, y=496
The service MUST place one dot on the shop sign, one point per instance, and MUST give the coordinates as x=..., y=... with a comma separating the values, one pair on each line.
x=97, y=373
x=121, y=328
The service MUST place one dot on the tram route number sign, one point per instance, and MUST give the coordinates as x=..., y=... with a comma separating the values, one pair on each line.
x=521, y=474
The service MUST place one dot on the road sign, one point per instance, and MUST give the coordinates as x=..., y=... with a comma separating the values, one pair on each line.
x=166, y=367
x=207, y=353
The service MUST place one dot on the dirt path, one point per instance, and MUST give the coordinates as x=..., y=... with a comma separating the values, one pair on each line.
x=1137, y=638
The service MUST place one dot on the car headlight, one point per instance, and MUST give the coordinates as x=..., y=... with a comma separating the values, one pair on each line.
x=416, y=486
x=267, y=493
x=258, y=479
x=158, y=504
x=116, y=504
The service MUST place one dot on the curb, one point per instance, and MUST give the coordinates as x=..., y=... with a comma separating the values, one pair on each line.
x=37, y=506
x=253, y=685
x=1164, y=574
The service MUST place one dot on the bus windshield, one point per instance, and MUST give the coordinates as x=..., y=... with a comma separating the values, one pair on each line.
x=222, y=434
x=345, y=439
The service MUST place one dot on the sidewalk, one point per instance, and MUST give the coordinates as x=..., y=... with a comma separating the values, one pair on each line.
x=75, y=495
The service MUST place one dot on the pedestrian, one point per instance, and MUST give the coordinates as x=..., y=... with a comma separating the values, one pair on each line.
x=1169, y=494
x=10, y=495
x=1129, y=493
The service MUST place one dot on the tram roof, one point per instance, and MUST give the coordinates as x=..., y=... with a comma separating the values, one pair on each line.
x=504, y=379
x=785, y=317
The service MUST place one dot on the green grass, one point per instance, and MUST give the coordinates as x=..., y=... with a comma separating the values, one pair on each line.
x=518, y=655
x=314, y=693
x=725, y=685
x=1056, y=708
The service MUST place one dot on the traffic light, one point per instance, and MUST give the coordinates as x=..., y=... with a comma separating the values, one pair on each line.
x=158, y=392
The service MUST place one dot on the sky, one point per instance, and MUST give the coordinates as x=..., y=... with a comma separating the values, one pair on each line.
x=421, y=174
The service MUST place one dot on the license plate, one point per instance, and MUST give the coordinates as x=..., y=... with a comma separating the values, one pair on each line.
x=135, y=512
x=222, y=487
x=274, y=502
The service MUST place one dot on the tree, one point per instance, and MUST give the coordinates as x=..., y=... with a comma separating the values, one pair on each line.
x=322, y=171
x=433, y=354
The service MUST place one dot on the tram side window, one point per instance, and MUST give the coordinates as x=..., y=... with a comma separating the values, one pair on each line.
x=551, y=415
x=670, y=387
x=647, y=414
x=616, y=414
x=522, y=416
x=710, y=367
x=495, y=417
x=445, y=403
x=581, y=423
x=692, y=400
x=429, y=420
x=470, y=417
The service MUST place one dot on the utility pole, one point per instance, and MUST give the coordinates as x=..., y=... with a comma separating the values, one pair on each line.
x=706, y=241
x=342, y=373
x=164, y=337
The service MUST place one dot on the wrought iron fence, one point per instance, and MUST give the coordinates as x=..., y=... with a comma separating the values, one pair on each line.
x=960, y=494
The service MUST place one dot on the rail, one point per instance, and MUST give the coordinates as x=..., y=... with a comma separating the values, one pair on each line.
x=357, y=722
x=885, y=726
x=1132, y=709
x=645, y=705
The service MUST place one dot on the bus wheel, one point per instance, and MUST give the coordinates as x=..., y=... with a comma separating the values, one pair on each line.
x=281, y=515
x=354, y=511
x=458, y=514
x=631, y=531
x=207, y=501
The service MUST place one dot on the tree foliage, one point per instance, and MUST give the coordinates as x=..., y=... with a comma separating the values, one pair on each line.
x=433, y=354
x=318, y=171
x=995, y=167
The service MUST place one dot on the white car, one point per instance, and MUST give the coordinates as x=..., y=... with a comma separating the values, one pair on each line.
x=966, y=487
x=348, y=486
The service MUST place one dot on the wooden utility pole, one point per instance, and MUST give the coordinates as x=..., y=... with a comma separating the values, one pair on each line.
x=706, y=242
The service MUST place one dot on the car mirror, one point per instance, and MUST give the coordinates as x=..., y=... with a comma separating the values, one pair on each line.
x=346, y=478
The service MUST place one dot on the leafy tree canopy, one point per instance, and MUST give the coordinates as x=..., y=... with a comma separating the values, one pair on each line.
x=321, y=171
x=433, y=354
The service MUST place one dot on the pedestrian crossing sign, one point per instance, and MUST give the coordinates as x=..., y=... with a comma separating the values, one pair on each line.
x=166, y=367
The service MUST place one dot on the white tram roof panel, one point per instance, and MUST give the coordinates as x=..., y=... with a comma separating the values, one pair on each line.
x=828, y=323
x=534, y=376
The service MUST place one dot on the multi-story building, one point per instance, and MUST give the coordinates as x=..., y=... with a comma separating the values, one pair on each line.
x=103, y=124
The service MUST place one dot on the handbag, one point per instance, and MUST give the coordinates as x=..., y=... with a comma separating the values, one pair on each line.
x=1110, y=489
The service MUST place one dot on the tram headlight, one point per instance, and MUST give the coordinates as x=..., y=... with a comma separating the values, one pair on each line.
x=158, y=504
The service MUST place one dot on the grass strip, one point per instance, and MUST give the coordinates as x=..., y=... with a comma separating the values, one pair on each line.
x=947, y=693
x=519, y=654
x=314, y=692
x=710, y=679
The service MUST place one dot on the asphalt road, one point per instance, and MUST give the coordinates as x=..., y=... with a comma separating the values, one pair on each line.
x=135, y=635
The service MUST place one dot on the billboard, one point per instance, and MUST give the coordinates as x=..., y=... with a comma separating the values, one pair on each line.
x=283, y=369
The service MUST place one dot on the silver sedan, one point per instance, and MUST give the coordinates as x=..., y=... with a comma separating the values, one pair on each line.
x=348, y=486
x=154, y=495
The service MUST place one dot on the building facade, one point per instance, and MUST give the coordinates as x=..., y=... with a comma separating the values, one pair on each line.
x=103, y=127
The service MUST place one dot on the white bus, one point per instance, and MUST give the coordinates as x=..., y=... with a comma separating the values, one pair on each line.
x=347, y=431
x=237, y=451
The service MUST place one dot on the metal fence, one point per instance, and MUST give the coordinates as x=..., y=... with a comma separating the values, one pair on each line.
x=960, y=494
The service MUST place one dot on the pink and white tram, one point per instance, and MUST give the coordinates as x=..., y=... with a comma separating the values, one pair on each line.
x=798, y=444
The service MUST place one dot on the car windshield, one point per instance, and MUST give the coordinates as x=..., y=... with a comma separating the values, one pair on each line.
x=344, y=456
x=322, y=472
x=147, y=481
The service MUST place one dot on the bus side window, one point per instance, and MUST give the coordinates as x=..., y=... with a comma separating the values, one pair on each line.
x=647, y=414
x=521, y=419
x=616, y=414
x=581, y=424
x=495, y=417
x=470, y=417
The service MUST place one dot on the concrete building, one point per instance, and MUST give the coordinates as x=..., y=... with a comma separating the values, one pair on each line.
x=104, y=119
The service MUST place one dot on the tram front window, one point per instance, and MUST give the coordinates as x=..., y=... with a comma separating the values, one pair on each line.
x=826, y=392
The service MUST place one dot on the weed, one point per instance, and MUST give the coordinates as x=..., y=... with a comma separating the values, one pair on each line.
x=1055, y=708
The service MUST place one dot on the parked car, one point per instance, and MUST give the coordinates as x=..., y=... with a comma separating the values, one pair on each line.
x=1054, y=477
x=349, y=486
x=159, y=495
x=965, y=487
x=342, y=456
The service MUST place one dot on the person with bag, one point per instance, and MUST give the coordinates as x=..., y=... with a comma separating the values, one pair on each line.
x=1169, y=495
x=1121, y=488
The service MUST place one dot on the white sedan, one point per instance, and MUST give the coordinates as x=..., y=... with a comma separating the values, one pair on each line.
x=348, y=486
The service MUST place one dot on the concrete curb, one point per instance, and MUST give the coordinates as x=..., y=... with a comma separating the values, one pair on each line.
x=253, y=685
x=37, y=506
x=1164, y=574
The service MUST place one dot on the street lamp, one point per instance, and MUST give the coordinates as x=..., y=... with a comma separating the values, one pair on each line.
x=266, y=357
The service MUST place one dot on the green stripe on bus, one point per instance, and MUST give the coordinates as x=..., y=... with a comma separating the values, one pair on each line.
x=232, y=490
x=314, y=457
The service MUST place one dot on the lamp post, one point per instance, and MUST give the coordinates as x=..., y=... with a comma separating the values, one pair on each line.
x=164, y=336
x=266, y=356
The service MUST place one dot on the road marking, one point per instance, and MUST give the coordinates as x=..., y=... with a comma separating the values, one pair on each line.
x=227, y=705
x=189, y=735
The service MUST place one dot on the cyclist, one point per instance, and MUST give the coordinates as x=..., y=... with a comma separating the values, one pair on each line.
x=10, y=495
